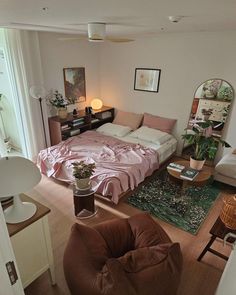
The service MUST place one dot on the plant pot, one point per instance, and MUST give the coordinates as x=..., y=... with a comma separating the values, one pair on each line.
x=62, y=113
x=196, y=164
x=82, y=183
x=206, y=117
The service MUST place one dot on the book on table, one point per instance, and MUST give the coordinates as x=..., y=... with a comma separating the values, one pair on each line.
x=176, y=167
x=189, y=173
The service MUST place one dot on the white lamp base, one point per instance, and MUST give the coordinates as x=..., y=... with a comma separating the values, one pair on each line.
x=19, y=211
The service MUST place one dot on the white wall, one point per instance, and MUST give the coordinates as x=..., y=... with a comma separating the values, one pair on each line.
x=56, y=55
x=185, y=59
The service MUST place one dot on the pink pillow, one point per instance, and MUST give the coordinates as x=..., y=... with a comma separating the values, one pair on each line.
x=128, y=119
x=160, y=123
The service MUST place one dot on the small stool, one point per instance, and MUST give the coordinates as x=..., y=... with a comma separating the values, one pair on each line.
x=84, y=206
x=218, y=230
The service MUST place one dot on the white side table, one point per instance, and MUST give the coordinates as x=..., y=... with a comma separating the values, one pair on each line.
x=31, y=244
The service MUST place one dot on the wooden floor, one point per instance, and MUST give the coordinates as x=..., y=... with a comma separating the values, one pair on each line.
x=198, y=278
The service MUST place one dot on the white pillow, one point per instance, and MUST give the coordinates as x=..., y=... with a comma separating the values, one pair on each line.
x=151, y=135
x=114, y=129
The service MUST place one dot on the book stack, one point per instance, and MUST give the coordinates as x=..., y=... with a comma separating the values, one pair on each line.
x=104, y=115
x=94, y=121
x=189, y=174
x=65, y=127
x=74, y=132
x=77, y=122
x=175, y=167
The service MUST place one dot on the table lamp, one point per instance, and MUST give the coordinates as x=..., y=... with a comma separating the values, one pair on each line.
x=18, y=175
x=96, y=104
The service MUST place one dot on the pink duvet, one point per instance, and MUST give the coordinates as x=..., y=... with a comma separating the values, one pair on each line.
x=119, y=165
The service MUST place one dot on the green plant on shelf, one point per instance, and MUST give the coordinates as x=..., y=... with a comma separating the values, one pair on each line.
x=57, y=100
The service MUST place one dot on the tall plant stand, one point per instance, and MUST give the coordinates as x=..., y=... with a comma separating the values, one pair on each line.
x=84, y=205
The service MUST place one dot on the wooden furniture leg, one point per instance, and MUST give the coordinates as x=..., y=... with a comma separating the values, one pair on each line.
x=207, y=248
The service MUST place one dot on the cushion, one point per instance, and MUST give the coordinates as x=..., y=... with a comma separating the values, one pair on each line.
x=120, y=240
x=128, y=119
x=146, y=231
x=234, y=152
x=160, y=123
x=227, y=166
x=114, y=129
x=151, y=135
x=150, y=270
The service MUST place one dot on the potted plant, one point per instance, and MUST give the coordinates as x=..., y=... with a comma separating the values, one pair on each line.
x=57, y=100
x=225, y=93
x=207, y=113
x=204, y=144
x=82, y=173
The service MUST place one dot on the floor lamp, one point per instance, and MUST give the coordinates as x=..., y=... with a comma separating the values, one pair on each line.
x=39, y=92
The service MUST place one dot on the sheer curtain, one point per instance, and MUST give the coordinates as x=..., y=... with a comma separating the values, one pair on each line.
x=25, y=70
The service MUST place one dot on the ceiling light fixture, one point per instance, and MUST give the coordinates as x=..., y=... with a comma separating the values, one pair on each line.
x=96, y=32
x=175, y=18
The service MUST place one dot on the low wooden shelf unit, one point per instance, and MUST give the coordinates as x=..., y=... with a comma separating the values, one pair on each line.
x=61, y=129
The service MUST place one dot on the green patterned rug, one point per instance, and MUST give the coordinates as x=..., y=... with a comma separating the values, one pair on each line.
x=159, y=195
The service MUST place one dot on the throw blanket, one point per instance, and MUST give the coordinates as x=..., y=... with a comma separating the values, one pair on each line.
x=119, y=165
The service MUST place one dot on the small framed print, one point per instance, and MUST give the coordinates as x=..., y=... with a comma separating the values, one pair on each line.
x=74, y=81
x=147, y=79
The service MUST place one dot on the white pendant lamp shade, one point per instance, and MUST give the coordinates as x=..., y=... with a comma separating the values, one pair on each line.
x=96, y=32
x=18, y=175
x=96, y=104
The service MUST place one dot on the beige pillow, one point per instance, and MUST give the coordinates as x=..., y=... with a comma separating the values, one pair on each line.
x=234, y=152
x=128, y=119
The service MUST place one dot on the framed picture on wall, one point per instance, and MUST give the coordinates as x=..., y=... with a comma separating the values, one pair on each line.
x=74, y=81
x=147, y=79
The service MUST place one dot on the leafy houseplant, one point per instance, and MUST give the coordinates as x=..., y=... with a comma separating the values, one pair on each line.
x=225, y=93
x=82, y=173
x=57, y=100
x=204, y=143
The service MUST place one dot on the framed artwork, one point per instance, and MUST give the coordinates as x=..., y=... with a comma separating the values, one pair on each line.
x=74, y=81
x=147, y=79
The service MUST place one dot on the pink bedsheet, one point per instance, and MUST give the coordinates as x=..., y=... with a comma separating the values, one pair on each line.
x=119, y=165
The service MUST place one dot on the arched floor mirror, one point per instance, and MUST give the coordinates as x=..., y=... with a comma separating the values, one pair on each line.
x=212, y=101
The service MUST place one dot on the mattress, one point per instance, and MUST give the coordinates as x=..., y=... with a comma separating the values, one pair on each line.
x=164, y=150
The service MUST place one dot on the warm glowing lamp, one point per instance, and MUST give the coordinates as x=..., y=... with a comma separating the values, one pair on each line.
x=96, y=104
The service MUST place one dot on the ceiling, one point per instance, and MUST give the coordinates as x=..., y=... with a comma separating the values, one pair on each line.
x=134, y=18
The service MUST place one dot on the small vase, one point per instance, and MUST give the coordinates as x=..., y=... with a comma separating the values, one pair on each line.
x=206, y=117
x=62, y=113
x=196, y=164
x=82, y=183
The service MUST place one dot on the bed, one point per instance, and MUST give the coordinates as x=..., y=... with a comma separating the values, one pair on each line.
x=123, y=158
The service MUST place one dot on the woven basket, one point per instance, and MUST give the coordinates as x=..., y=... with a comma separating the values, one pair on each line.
x=228, y=213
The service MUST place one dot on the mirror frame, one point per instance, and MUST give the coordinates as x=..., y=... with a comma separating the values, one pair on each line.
x=213, y=104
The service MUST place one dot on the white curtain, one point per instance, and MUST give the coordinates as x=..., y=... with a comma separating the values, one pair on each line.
x=3, y=149
x=25, y=70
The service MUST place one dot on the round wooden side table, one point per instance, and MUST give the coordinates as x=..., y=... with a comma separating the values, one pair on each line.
x=200, y=180
x=84, y=206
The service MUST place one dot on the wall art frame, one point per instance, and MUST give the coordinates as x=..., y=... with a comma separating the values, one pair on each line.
x=74, y=82
x=147, y=79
